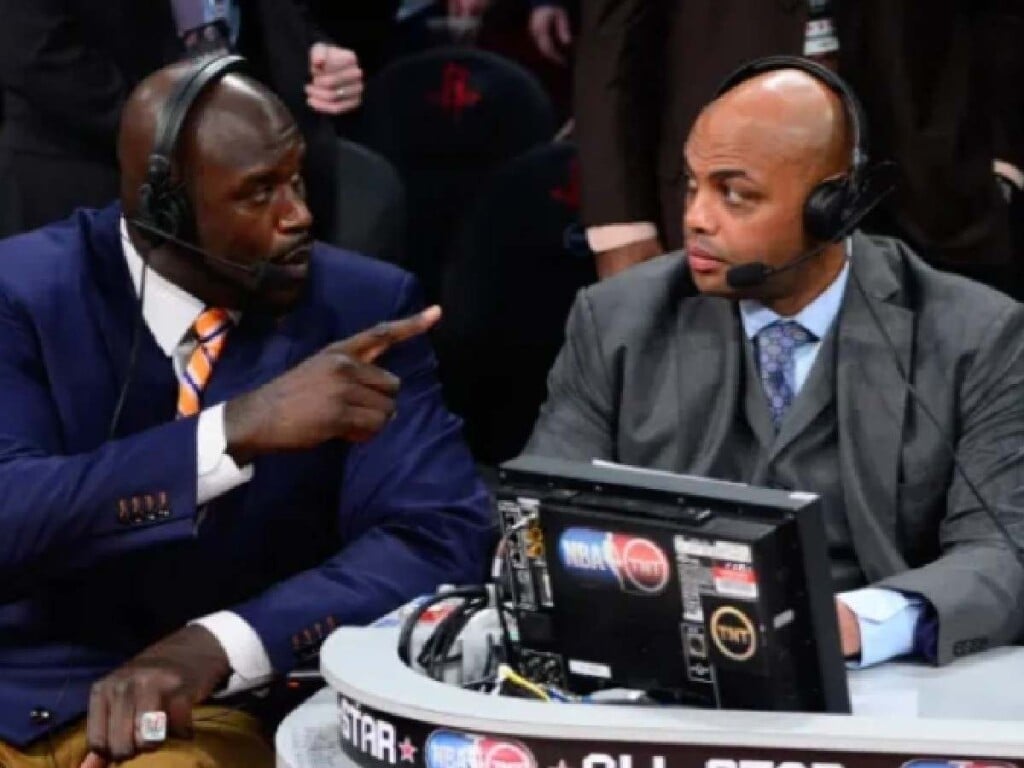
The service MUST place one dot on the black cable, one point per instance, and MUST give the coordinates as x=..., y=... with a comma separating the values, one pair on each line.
x=496, y=583
x=947, y=443
x=432, y=652
x=133, y=355
x=474, y=685
x=506, y=638
x=405, y=636
x=436, y=655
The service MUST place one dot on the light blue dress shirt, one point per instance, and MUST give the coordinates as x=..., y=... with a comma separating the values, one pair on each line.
x=887, y=618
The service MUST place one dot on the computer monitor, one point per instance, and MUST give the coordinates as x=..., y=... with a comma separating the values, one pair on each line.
x=702, y=591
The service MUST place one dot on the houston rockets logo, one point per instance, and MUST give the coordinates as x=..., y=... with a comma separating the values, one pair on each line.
x=456, y=94
x=569, y=195
x=636, y=564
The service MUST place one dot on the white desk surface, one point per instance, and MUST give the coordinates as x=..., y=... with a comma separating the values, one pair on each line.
x=974, y=706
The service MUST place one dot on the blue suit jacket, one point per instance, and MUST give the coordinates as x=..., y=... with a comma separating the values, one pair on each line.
x=99, y=551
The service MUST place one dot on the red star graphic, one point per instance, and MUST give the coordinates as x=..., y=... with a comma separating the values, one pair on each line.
x=408, y=750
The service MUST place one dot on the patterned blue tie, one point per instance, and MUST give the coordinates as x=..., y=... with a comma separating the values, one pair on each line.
x=776, y=345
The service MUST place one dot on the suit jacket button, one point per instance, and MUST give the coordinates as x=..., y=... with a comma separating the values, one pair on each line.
x=40, y=716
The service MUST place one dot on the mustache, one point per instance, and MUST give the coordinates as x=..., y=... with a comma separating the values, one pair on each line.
x=705, y=249
x=304, y=243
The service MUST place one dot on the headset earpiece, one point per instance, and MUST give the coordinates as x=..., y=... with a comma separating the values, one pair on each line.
x=162, y=203
x=834, y=205
x=826, y=208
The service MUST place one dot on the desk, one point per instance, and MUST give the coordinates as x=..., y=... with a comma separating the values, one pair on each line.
x=971, y=710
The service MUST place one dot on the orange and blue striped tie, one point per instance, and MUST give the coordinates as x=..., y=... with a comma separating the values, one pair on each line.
x=211, y=330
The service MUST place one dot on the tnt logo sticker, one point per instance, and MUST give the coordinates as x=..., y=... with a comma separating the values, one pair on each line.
x=733, y=633
x=637, y=565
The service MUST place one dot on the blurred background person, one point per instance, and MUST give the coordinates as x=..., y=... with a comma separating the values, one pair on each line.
x=366, y=27
x=932, y=76
x=537, y=34
x=551, y=29
x=67, y=66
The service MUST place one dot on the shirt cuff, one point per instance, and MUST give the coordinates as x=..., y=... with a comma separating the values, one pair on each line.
x=1010, y=172
x=218, y=472
x=609, y=236
x=887, y=620
x=250, y=664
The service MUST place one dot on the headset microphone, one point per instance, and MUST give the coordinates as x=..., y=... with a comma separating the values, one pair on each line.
x=248, y=270
x=834, y=207
x=757, y=272
x=260, y=275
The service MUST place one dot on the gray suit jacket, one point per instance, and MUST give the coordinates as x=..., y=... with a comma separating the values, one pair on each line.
x=651, y=372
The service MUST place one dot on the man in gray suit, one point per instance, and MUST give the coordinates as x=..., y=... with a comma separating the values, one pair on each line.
x=791, y=384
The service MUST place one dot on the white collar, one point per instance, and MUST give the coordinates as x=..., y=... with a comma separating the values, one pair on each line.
x=168, y=310
x=817, y=317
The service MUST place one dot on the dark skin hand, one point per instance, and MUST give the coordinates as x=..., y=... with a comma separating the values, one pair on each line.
x=170, y=676
x=336, y=394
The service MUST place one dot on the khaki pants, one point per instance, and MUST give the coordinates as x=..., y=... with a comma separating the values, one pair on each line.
x=223, y=737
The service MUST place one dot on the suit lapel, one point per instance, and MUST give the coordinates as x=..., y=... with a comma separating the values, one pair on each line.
x=755, y=403
x=709, y=357
x=115, y=307
x=871, y=401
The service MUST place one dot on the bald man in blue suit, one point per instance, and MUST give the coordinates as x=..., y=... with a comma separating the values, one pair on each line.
x=267, y=478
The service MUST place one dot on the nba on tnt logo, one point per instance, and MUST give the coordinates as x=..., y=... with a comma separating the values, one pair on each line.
x=637, y=565
x=454, y=749
x=733, y=633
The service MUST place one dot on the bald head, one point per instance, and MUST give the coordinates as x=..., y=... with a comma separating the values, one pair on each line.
x=239, y=157
x=227, y=122
x=752, y=159
x=788, y=114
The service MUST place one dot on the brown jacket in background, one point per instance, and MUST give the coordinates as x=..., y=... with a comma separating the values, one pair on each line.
x=941, y=81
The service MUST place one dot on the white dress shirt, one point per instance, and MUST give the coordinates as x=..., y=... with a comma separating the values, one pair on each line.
x=169, y=312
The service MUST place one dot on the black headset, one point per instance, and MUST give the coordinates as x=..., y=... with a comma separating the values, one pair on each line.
x=833, y=203
x=163, y=206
